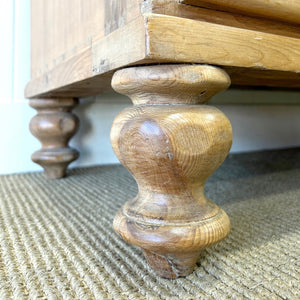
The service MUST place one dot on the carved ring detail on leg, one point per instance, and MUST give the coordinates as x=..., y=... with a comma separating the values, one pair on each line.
x=171, y=142
x=54, y=125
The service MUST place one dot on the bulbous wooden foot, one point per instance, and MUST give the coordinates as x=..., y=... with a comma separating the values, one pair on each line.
x=54, y=125
x=171, y=144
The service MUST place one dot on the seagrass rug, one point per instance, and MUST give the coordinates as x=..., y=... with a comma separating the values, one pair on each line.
x=57, y=241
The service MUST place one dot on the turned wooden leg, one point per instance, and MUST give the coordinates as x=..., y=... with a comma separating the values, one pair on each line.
x=171, y=143
x=54, y=125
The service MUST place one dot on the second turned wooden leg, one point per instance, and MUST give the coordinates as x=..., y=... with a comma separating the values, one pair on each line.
x=171, y=143
x=54, y=125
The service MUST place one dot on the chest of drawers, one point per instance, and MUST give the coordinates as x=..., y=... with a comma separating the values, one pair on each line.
x=170, y=57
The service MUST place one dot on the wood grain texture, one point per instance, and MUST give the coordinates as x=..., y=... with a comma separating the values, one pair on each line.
x=280, y=10
x=173, y=39
x=177, y=9
x=159, y=38
x=122, y=47
x=90, y=71
x=63, y=29
x=54, y=125
x=171, y=150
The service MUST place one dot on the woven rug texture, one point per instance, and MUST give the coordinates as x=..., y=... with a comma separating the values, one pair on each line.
x=57, y=240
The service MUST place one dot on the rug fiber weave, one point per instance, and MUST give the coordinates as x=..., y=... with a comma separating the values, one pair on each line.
x=57, y=241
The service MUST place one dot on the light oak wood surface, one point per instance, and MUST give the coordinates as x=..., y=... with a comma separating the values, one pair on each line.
x=280, y=10
x=61, y=30
x=156, y=38
x=177, y=9
x=171, y=150
x=177, y=39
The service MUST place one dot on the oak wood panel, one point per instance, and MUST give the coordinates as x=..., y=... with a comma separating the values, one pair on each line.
x=89, y=72
x=73, y=70
x=122, y=47
x=171, y=39
x=62, y=29
x=173, y=8
x=281, y=10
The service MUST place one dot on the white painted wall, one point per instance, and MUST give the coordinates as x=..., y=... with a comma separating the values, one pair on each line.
x=257, y=123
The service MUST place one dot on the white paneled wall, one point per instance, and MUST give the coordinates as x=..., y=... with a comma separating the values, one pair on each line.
x=7, y=50
x=255, y=126
x=15, y=49
x=16, y=142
